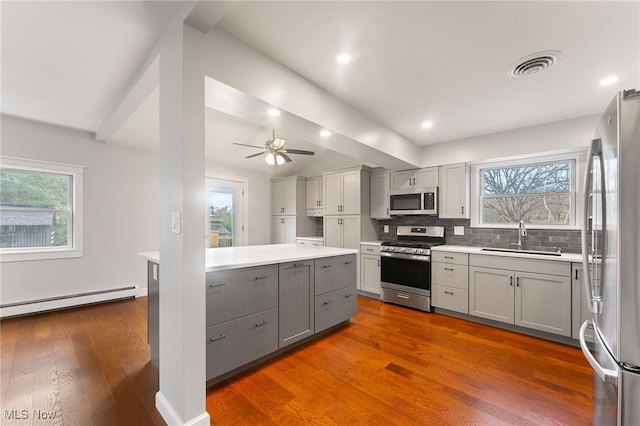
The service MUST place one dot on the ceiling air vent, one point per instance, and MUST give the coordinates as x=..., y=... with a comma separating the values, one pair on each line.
x=534, y=64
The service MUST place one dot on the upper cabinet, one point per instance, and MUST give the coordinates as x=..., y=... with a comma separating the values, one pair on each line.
x=418, y=178
x=342, y=192
x=453, y=191
x=286, y=194
x=288, y=210
x=380, y=186
x=314, y=197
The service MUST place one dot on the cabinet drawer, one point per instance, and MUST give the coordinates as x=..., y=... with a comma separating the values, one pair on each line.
x=551, y=267
x=450, y=257
x=234, y=343
x=332, y=273
x=373, y=249
x=238, y=292
x=451, y=298
x=450, y=275
x=335, y=307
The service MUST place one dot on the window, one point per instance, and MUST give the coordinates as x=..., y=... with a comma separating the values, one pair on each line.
x=541, y=191
x=40, y=210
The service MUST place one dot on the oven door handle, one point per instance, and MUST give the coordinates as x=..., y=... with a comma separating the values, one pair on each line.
x=407, y=256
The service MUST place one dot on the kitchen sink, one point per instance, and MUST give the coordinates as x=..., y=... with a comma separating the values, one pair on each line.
x=506, y=250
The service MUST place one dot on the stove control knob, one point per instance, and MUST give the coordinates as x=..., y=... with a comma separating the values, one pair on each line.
x=421, y=251
x=403, y=249
x=415, y=251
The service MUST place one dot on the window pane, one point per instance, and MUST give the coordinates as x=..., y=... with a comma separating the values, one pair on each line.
x=528, y=179
x=553, y=209
x=220, y=219
x=19, y=188
x=34, y=209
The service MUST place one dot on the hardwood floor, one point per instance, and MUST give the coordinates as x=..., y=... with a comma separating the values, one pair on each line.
x=390, y=366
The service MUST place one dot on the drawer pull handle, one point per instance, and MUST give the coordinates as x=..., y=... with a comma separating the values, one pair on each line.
x=346, y=296
x=213, y=339
x=260, y=324
x=402, y=296
x=327, y=302
x=369, y=249
x=448, y=257
x=448, y=292
x=262, y=277
x=348, y=263
x=326, y=266
x=298, y=265
x=448, y=269
x=217, y=285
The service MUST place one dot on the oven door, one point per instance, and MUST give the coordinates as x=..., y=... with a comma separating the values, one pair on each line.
x=406, y=270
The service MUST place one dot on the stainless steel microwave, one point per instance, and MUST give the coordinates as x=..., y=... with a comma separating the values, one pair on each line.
x=414, y=201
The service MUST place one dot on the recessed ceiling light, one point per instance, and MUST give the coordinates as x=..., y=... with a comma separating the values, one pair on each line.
x=325, y=133
x=273, y=112
x=343, y=58
x=427, y=124
x=608, y=81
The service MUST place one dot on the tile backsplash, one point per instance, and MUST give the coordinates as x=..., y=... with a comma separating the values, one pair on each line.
x=536, y=239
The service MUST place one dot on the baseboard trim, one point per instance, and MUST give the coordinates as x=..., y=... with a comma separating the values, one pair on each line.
x=171, y=417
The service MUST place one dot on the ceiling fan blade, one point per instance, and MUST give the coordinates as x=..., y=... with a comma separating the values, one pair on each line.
x=298, y=151
x=252, y=146
x=285, y=156
x=254, y=155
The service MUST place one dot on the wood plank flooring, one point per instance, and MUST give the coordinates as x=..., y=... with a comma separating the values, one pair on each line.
x=390, y=366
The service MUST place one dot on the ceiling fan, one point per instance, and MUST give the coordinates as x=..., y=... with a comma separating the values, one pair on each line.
x=276, y=153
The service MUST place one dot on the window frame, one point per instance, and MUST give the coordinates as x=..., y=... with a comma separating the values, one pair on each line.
x=578, y=157
x=74, y=247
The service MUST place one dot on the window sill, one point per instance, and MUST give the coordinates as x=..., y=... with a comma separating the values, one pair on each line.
x=28, y=255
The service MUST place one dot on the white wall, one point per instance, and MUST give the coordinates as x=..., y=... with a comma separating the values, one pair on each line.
x=556, y=136
x=120, y=213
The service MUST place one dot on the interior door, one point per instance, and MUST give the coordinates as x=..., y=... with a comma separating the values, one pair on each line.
x=226, y=221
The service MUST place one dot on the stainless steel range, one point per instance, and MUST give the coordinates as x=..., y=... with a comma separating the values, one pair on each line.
x=405, y=268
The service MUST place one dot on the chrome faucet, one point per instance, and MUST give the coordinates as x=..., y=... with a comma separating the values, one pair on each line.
x=522, y=232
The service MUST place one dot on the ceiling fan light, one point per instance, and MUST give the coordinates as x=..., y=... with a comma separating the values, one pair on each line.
x=270, y=159
x=278, y=143
x=279, y=159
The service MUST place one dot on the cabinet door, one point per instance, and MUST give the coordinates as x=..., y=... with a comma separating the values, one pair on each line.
x=351, y=197
x=370, y=274
x=491, y=293
x=579, y=308
x=402, y=179
x=277, y=230
x=453, y=191
x=350, y=227
x=289, y=191
x=425, y=177
x=295, y=302
x=277, y=198
x=543, y=302
x=332, y=188
x=380, y=184
x=314, y=193
x=334, y=307
x=332, y=231
x=332, y=273
x=289, y=229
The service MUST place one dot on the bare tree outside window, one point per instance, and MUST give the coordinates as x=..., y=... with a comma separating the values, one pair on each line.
x=535, y=193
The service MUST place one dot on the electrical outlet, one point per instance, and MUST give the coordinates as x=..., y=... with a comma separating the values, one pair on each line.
x=385, y=228
x=458, y=230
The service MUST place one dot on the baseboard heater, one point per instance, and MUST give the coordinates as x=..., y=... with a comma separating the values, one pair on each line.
x=67, y=301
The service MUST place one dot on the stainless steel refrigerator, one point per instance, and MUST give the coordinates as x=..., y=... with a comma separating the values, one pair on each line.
x=611, y=247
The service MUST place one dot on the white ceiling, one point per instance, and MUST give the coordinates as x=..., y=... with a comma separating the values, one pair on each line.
x=69, y=63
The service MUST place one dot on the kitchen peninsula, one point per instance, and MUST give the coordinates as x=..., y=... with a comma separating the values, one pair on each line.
x=260, y=300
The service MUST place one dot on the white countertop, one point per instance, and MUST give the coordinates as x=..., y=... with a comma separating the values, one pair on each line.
x=371, y=243
x=242, y=257
x=564, y=257
x=321, y=239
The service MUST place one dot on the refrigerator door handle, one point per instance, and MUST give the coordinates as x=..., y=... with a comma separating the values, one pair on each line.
x=605, y=374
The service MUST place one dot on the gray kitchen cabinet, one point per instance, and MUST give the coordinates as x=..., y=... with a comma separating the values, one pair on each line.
x=153, y=311
x=416, y=178
x=342, y=231
x=453, y=191
x=580, y=310
x=380, y=188
x=283, y=229
x=238, y=292
x=295, y=301
x=342, y=192
x=285, y=195
x=370, y=268
x=314, y=197
x=514, y=291
x=288, y=208
x=232, y=344
x=335, y=290
x=450, y=281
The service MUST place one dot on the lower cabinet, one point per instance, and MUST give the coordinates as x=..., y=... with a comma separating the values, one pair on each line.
x=370, y=268
x=335, y=307
x=529, y=299
x=450, y=281
x=234, y=343
x=295, y=302
x=580, y=311
x=335, y=293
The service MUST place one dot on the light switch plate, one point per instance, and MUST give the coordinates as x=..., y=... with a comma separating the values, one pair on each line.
x=385, y=228
x=458, y=230
x=176, y=222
